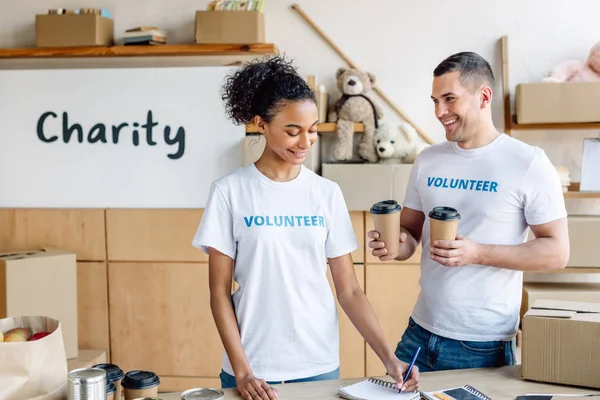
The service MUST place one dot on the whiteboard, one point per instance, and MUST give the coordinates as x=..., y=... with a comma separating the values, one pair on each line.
x=123, y=158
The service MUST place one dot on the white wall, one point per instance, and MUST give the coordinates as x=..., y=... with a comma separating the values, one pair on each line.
x=400, y=41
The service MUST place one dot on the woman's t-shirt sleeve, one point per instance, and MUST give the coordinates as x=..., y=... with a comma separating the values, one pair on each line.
x=341, y=238
x=216, y=225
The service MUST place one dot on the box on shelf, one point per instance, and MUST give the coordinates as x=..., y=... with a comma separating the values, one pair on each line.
x=364, y=184
x=73, y=30
x=582, y=240
x=225, y=27
x=566, y=102
x=560, y=343
x=42, y=283
x=571, y=291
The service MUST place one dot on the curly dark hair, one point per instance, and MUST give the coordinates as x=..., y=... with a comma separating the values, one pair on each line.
x=261, y=87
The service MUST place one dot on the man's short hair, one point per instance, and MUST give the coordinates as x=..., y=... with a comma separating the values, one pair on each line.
x=473, y=70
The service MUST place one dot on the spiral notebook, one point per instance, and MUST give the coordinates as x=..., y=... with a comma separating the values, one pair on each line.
x=373, y=388
x=466, y=392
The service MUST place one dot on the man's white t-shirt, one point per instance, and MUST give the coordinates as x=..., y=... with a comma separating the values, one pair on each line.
x=280, y=235
x=499, y=190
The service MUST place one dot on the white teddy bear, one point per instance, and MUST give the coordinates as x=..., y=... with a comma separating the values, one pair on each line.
x=397, y=147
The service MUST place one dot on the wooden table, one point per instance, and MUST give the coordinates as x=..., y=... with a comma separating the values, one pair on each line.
x=499, y=383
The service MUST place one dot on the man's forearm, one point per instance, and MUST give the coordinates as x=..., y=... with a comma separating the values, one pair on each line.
x=408, y=248
x=540, y=254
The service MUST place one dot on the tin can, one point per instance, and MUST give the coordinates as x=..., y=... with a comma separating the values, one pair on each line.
x=86, y=384
x=203, y=394
x=147, y=398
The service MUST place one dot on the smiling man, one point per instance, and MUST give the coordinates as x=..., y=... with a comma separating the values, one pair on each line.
x=467, y=313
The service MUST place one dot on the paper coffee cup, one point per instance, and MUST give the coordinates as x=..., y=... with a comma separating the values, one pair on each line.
x=386, y=219
x=110, y=391
x=443, y=224
x=138, y=384
x=115, y=375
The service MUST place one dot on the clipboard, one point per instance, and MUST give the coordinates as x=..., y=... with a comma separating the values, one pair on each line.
x=590, y=166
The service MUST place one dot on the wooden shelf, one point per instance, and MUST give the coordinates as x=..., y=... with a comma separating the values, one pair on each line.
x=570, y=270
x=553, y=126
x=325, y=127
x=142, y=51
x=510, y=120
x=574, y=193
x=582, y=195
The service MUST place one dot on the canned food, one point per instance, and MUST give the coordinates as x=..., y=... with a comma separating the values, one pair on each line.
x=203, y=394
x=147, y=398
x=87, y=384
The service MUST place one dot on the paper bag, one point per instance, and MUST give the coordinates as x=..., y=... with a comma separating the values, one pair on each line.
x=34, y=369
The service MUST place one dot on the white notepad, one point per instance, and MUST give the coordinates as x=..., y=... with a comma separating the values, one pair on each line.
x=372, y=389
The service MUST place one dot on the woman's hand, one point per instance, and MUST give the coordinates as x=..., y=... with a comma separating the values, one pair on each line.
x=252, y=388
x=396, y=369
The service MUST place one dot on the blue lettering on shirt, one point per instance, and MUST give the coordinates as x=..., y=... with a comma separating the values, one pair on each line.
x=284, y=220
x=463, y=184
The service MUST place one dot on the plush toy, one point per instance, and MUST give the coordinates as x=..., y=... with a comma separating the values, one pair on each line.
x=576, y=70
x=355, y=106
x=397, y=146
x=412, y=142
x=388, y=145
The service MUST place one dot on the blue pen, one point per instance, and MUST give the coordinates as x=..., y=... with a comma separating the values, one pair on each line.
x=413, y=359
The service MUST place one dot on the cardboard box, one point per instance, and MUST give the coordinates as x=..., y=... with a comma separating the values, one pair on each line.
x=568, y=102
x=561, y=343
x=533, y=291
x=239, y=27
x=362, y=184
x=72, y=30
x=582, y=239
x=41, y=283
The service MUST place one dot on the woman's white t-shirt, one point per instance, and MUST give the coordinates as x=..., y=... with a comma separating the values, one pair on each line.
x=279, y=235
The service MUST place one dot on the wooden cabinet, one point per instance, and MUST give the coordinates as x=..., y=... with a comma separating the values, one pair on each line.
x=78, y=230
x=392, y=290
x=352, y=344
x=160, y=319
x=143, y=290
x=358, y=223
x=92, y=306
x=153, y=235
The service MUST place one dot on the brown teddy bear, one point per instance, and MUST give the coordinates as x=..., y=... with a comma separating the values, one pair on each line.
x=355, y=106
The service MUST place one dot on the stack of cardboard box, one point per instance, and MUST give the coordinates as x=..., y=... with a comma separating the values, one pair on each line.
x=42, y=283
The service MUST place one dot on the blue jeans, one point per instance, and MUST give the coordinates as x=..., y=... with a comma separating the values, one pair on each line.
x=228, y=381
x=440, y=353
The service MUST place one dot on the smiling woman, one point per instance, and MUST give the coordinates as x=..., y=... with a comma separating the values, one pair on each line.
x=279, y=223
x=282, y=106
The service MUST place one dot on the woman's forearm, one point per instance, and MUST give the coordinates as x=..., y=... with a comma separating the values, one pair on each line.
x=356, y=305
x=226, y=321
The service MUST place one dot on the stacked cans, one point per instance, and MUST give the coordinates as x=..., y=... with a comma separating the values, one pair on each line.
x=87, y=384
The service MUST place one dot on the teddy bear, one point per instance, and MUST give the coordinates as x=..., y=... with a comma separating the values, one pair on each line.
x=355, y=106
x=397, y=146
x=577, y=70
